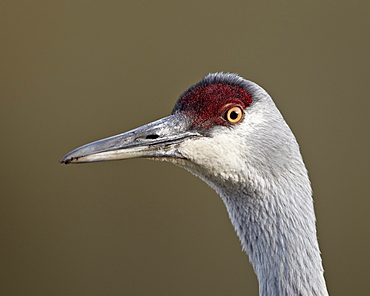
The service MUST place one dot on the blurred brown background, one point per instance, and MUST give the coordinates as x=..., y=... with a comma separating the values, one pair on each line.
x=77, y=71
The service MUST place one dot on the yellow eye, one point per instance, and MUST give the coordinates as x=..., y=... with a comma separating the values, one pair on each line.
x=234, y=114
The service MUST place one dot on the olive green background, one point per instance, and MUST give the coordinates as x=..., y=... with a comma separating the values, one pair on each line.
x=77, y=71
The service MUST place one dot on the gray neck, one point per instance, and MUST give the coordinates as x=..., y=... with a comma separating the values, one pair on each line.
x=279, y=235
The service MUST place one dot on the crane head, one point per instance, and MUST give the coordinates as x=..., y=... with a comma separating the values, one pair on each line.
x=218, y=128
x=227, y=131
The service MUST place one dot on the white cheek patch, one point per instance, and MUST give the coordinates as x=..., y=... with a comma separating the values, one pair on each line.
x=218, y=155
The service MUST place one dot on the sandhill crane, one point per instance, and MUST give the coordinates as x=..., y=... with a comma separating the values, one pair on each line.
x=227, y=131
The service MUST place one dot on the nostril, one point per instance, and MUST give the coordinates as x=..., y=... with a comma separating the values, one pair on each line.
x=148, y=137
x=151, y=137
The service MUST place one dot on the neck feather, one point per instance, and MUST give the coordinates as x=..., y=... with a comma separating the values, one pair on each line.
x=278, y=233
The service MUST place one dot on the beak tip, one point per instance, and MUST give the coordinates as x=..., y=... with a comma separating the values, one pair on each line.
x=64, y=161
x=67, y=160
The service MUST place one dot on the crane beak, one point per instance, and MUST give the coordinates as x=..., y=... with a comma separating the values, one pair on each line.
x=158, y=139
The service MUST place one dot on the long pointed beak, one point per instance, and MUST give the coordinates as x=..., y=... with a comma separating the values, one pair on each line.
x=154, y=140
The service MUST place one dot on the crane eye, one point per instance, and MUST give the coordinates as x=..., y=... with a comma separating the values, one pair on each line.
x=234, y=114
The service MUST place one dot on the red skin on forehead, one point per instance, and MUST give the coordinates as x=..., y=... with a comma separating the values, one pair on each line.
x=206, y=104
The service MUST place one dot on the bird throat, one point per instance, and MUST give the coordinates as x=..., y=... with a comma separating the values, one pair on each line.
x=276, y=226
